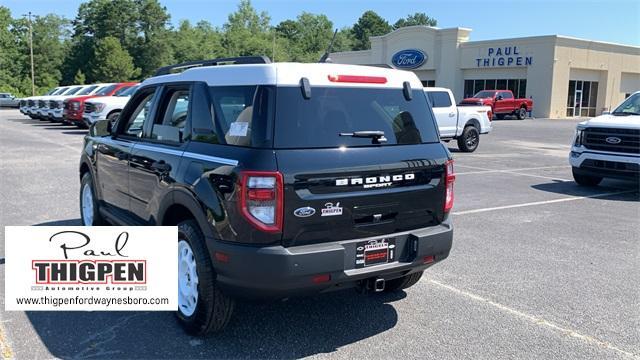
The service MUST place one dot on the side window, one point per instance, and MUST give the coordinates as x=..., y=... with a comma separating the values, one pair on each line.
x=243, y=114
x=506, y=95
x=170, y=122
x=139, y=116
x=439, y=99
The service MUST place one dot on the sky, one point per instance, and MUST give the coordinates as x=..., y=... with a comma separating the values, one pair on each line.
x=616, y=21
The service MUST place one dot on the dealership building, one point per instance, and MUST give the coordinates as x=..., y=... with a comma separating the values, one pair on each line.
x=565, y=77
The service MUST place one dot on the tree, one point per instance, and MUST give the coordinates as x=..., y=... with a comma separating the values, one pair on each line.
x=415, y=19
x=196, y=42
x=112, y=63
x=369, y=24
x=308, y=36
x=9, y=67
x=79, y=79
x=248, y=33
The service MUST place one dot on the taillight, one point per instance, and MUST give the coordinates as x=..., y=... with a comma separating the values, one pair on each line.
x=261, y=199
x=358, y=79
x=450, y=178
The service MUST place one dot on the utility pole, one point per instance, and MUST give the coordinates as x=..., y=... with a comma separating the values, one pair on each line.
x=33, y=83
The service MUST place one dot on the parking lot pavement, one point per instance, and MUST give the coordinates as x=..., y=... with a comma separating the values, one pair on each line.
x=540, y=268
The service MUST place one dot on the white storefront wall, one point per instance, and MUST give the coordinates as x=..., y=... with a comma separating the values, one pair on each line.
x=546, y=62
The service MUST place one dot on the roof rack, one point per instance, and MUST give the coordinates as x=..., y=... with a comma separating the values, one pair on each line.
x=213, y=62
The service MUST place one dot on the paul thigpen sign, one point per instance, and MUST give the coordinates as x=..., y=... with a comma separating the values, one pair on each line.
x=91, y=268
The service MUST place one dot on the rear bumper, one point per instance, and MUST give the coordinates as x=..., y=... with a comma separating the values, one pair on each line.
x=278, y=272
x=605, y=164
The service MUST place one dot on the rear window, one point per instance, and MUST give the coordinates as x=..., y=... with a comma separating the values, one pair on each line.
x=87, y=90
x=439, y=99
x=318, y=122
x=106, y=90
x=127, y=91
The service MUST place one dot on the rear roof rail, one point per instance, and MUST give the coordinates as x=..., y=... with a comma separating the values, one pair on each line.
x=241, y=60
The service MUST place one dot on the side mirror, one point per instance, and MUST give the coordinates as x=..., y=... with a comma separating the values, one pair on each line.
x=101, y=128
x=499, y=97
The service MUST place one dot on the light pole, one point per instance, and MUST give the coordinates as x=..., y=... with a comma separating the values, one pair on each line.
x=33, y=83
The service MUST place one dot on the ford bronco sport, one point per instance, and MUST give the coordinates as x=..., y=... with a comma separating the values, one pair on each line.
x=284, y=179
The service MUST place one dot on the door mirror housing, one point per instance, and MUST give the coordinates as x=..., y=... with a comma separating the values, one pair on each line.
x=101, y=128
x=499, y=97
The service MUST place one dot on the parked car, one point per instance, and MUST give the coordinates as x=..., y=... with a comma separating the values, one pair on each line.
x=107, y=107
x=502, y=102
x=73, y=108
x=284, y=179
x=8, y=100
x=42, y=107
x=464, y=124
x=56, y=103
x=608, y=146
x=32, y=102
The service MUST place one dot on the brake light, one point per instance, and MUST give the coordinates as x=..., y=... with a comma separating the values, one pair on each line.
x=358, y=79
x=261, y=199
x=450, y=178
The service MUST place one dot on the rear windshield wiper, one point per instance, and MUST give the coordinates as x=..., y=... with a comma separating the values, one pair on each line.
x=376, y=136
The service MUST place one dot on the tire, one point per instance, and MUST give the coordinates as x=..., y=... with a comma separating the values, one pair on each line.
x=521, y=113
x=403, y=282
x=113, y=117
x=89, y=216
x=469, y=140
x=585, y=180
x=212, y=309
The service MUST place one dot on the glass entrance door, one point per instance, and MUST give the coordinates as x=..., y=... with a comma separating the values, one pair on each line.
x=577, y=103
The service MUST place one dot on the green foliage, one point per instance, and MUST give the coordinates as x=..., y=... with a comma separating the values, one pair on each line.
x=79, y=78
x=415, y=19
x=112, y=63
x=369, y=24
x=117, y=40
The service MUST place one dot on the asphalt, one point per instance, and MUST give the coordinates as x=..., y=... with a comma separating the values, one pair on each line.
x=540, y=268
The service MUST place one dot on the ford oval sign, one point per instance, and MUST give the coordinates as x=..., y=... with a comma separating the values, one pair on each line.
x=409, y=59
x=304, y=212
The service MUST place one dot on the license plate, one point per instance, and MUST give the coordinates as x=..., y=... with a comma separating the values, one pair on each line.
x=375, y=252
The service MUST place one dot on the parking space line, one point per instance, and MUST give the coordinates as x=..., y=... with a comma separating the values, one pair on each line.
x=571, y=198
x=537, y=320
x=5, y=349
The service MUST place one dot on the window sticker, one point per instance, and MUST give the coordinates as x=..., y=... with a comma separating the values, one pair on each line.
x=239, y=129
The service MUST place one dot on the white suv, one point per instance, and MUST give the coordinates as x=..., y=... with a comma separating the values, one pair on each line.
x=608, y=145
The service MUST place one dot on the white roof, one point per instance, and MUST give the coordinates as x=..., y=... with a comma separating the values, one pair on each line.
x=433, y=88
x=288, y=74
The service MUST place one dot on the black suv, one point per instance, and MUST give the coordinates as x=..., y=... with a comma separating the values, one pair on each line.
x=284, y=179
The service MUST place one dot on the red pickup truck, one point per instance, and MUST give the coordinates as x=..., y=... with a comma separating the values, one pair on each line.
x=502, y=103
x=74, y=107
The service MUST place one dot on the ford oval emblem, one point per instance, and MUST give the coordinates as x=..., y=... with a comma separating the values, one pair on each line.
x=409, y=59
x=304, y=212
x=613, y=140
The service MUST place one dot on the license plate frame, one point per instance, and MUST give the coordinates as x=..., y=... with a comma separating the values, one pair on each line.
x=375, y=252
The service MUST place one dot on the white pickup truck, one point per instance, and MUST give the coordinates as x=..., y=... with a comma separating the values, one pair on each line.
x=608, y=146
x=464, y=124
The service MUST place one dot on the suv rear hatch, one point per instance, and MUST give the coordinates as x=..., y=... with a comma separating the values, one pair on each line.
x=338, y=186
